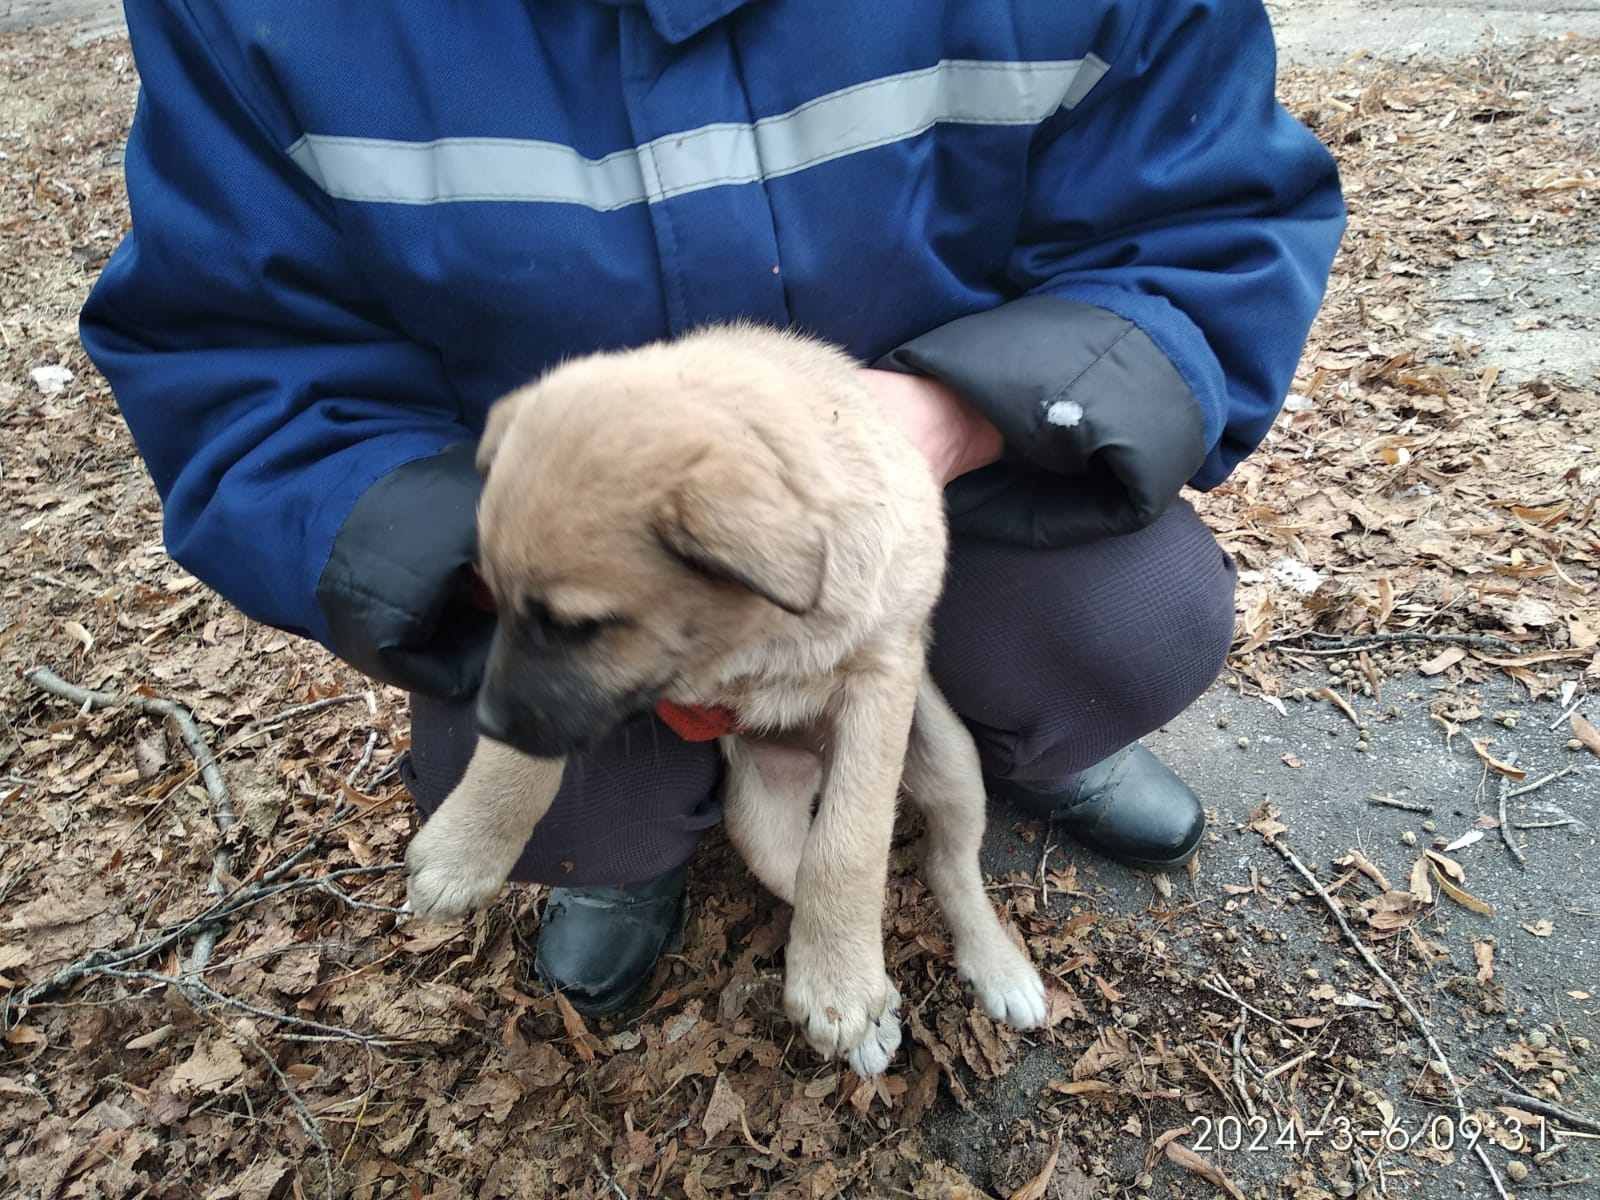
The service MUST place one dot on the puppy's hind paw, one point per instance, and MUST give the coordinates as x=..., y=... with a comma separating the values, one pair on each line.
x=1011, y=991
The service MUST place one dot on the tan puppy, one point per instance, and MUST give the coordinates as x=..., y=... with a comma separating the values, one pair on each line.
x=727, y=520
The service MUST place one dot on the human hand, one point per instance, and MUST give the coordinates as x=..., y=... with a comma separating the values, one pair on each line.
x=952, y=436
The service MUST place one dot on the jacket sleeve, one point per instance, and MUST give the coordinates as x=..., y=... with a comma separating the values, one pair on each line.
x=312, y=461
x=1176, y=242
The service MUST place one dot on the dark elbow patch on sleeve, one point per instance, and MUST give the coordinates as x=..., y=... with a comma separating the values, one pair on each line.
x=394, y=589
x=1101, y=429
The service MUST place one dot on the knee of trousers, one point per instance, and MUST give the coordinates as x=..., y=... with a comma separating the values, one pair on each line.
x=1092, y=674
x=631, y=809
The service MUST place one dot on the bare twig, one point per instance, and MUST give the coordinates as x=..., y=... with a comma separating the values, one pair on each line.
x=1342, y=644
x=1554, y=1111
x=1293, y=1062
x=47, y=680
x=1567, y=715
x=372, y=740
x=606, y=1175
x=1227, y=993
x=1044, y=859
x=1391, y=802
x=106, y=959
x=1562, y=1183
x=1545, y=824
x=191, y=984
x=205, y=763
x=1394, y=988
x=1570, y=769
x=308, y=1123
x=1505, y=827
x=1341, y=704
x=1239, y=1083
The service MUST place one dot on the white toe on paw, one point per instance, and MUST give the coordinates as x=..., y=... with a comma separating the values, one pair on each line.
x=842, y=1015
x=873, y=1055
x=1010, y=990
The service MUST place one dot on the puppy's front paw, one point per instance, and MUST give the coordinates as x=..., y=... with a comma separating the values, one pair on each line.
x=847, y=1010
x=449, y=873
x=1008, y=987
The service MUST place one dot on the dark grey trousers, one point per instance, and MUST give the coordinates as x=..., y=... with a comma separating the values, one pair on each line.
x=1055, y=658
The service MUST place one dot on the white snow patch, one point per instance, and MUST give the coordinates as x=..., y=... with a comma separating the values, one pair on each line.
x=51, y=380
x=1296, y=576
x=1065, y=413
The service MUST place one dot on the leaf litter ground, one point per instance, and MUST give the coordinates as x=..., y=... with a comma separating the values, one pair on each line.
x=1417, y=484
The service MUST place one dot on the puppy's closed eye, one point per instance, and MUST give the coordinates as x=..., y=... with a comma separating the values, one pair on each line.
x=536, y=623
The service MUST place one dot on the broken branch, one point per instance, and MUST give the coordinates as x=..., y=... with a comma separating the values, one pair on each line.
x=1376, y=968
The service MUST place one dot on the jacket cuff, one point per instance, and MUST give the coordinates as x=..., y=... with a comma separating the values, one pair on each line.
x=1101, y=430
x=397, y=587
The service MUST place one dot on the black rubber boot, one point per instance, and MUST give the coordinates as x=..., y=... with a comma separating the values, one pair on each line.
x=599, y=945
x=1129, y=807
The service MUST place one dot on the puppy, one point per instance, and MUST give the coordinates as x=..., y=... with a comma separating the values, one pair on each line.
x=728, y=521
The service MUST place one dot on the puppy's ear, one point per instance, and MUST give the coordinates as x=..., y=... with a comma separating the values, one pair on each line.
x=494, y=430
x=739, y=523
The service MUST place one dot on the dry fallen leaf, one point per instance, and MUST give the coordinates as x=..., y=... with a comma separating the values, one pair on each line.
x=1264, y=821
x=1036, y=1187
x=1193, y=1163
x=211, y=1067
x=1082, y=1087
x=582, y=1040
x=1483, y=955
x=723, y=1109
x=1443, y=661
x=1480, y=747
x=1448, y=865
x=1540, y=928
x=1462, y=897
x=1420, y=887
x=1586, y=733
x=79, y=632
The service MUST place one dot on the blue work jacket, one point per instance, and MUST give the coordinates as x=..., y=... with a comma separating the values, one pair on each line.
x=356, y=225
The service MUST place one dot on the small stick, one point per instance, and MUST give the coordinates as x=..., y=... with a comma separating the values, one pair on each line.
x=606, y=1175
x=1044, y=884
x=189, y=983
x=1342, y=704
x=54, y=581
x=1546, y=1109
x=47, y=680
x=1569, y=769
x=1561, y=1183
x=1505, y=828
x=13, y=1007
x=1238, y=1064
x=266, y=724
x=1282, y=1067
x=1228, y=994
x=1566, y=716
x=1377, y=969
x=1391, y=802
x=307, y=1121
x=1545, y=824
x=1345, y=644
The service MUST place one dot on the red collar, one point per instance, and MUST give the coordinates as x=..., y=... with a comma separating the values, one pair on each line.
x=694, y=723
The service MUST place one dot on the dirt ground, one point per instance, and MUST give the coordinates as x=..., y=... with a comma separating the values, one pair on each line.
x=1419, y=638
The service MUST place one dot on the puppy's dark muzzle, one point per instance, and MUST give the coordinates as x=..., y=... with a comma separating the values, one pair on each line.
x=532, y=732
x=544, y=704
